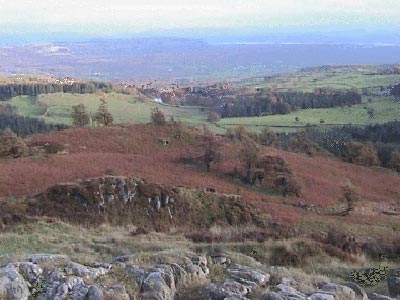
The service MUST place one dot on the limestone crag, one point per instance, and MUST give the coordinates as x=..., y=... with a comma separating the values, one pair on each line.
x=120, y=200
x=56, y=277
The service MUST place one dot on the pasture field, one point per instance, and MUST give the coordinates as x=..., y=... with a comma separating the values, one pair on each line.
x=129, y=109
x=308, y=80
x=126, y=109
x=384, y=109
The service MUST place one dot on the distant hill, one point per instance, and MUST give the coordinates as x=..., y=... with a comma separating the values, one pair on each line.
x=123, y=59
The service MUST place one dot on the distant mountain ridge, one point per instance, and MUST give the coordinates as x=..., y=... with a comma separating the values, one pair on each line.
x=180, y=58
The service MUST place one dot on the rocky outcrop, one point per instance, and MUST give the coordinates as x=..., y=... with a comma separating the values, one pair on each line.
x=285, y=291
x=229, y=289
x=248, y=276
x=338, y=290
x=12, y=285
x=393, y=281
x=375, y=296
x=56, y=277
x=359, y=292
x=120, y=201
x=322, y=296
x=241, y=280
x=220, y=258
x=326, y=291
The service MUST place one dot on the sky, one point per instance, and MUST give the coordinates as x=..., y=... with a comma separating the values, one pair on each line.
x=112, y=17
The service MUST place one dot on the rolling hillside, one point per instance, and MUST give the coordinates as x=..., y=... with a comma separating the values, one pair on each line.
x=136, y=151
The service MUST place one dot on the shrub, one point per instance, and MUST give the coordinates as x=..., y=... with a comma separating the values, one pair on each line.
x=12, y=145
x=382, y=248
x=302, y=144
x=248, y=156
x=394, y=162
x=217, y=273
x=158, y=117
x=282, y=255
x=103, y=116
x=296, y=254
x=79, y=115
x=213, y=117
x=267, y=137
x=362, y=154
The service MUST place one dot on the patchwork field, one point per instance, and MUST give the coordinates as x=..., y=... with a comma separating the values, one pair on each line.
x=335, y=79
x=56, y=108
x=385, y=109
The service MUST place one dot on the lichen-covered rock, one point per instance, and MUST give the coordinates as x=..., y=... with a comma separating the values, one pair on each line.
x=201, y=263
x=84, y=271
x=289, y=293
x=393, y=282
x=236, y=298
x=229, y=288
x=154, y=287
x=30, y=271
x=137, y=273
x=180, y=275
x=284, y=291
x=339, y=290
x=167, y=274
x=322, y=296
x=375, y=296
x=248, y=276
x=59, y=286
x=116, y=292
x=12, y=284
x=272, y=296
x=95, y=293
x=359, y=291
x=219, y=257
x=194, y=273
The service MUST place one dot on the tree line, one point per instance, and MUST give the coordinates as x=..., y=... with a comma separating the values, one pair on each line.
x=25, y=125
x=284, y=102
x=380, y=140
x=8, y=91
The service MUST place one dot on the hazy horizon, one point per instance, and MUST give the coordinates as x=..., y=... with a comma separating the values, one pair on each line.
x=368, y=21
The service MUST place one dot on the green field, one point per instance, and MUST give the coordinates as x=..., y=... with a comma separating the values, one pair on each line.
x=385, y=110
x=128, y=109
x=56, y=108
x=307, y=81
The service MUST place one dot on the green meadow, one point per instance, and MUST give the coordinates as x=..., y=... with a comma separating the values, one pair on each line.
x=384, y=110
x=56, y=108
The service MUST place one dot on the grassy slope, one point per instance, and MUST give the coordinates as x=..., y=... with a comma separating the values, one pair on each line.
x=87, y=246
x=56, y=108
